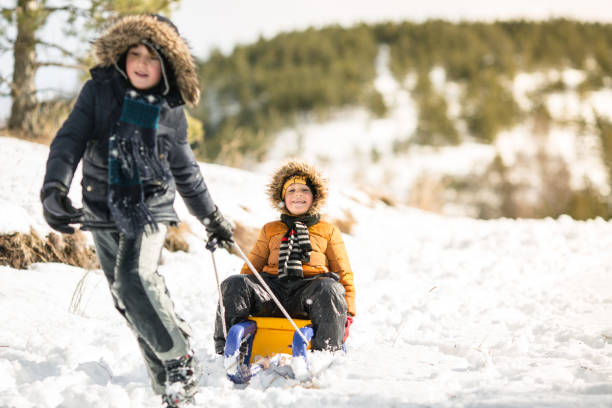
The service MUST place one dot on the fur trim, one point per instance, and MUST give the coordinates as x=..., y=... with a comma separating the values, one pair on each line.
x=314, y=179
x=131, y=30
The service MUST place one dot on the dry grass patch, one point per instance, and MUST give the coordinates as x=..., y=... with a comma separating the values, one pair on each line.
x=20, y=250
x=175, y=240
x=376, y=196
x=245, y=237
x=428, y=193
x=344, y=223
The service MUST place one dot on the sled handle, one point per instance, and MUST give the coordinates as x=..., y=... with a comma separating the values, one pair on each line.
x=235, y=335
x=267, y=288
x=298, y=347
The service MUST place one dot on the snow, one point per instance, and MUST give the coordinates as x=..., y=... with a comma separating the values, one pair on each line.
x=451, y=311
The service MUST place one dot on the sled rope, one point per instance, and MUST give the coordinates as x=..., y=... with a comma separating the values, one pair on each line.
x=267, y=288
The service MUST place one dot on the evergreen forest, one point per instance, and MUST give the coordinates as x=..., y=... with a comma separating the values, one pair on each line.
x=260, y=88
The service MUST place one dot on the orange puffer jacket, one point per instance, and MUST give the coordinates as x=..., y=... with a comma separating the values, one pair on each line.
x=328, y=254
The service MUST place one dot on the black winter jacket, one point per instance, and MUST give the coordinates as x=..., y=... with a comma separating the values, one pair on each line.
x=84, y=135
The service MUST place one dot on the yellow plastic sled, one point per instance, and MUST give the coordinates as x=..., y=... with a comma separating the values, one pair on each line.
x=274, y=335
x=265, y=338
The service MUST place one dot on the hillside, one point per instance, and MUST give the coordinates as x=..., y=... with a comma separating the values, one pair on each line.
x=451, y=311
x=517, y=104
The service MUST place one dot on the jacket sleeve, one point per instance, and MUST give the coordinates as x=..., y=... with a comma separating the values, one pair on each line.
x=259, y=254
x=67, y=147
x=187, y=175
x=339, y=263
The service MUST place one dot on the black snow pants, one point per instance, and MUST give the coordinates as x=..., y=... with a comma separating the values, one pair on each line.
x=140, y=295
x=320, y=299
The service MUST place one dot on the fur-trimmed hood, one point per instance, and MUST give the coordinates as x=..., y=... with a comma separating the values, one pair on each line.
x=315, y=181
x=148, y=29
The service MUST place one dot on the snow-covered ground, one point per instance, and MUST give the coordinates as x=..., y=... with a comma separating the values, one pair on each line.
x=452, y=312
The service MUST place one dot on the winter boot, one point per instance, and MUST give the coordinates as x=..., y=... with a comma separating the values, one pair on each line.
x=169, y=402
x=182, y=381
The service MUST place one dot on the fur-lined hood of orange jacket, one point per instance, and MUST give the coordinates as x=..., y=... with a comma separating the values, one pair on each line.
x=328, y=249
x=314, y=180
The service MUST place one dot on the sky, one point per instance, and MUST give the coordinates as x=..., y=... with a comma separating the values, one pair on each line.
x=212, y=24
x=451, y=311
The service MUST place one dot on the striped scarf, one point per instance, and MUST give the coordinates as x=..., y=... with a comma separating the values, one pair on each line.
x=295, y=245
x=132, y=159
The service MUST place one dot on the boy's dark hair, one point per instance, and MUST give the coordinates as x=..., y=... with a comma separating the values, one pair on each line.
x=166, y=20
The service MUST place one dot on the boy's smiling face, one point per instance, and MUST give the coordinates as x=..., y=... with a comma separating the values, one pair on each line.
x=298, y=198
x=143, y=67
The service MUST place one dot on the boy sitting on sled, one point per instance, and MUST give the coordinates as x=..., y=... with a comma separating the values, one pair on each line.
x=301, y=258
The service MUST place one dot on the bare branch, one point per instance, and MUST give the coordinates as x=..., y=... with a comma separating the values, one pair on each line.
x=82, y=67
x=58, y=47
x=3, y=81
x=57, y=91
x=68, y=8
x=7, y=82
x=50, y=10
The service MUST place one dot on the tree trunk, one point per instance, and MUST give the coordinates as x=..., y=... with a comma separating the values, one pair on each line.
x=23, y=91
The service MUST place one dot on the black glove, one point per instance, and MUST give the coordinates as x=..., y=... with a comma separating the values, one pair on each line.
x=57, y=208
x=219, y=230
